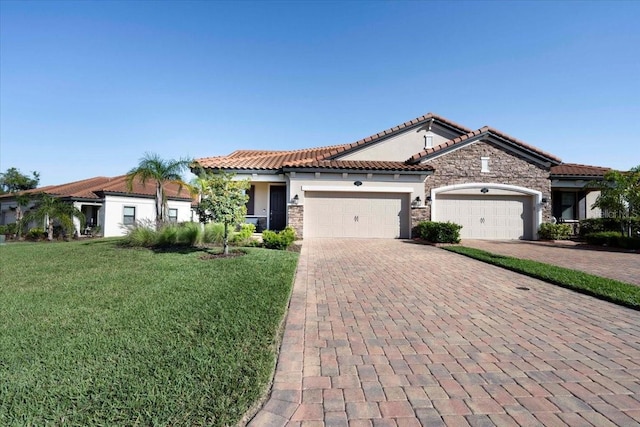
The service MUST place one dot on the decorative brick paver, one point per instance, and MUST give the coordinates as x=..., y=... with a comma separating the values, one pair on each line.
x=390, y=333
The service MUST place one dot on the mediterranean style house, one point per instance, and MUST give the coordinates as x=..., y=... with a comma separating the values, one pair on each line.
x=106, y=203
x=429, y=168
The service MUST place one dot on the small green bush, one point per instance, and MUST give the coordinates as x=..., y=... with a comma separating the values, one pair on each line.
x=280, y=240
x=612, y=239
x=438, y=232
x=550, y=231
x=243, y=236
x=8, y=229
x=36, y=234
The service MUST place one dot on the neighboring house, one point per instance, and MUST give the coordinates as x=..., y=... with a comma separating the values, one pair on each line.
x=494, y=185
x=107, y=204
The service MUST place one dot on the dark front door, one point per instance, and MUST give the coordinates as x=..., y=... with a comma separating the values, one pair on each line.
x=278, y=208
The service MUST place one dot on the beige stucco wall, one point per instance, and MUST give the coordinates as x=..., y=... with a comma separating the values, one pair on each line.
x=402, y=146
x=324, y=181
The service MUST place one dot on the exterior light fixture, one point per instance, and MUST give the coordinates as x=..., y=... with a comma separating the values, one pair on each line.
x=295, y=199
x=416, y=201
x=428, y=198
x=544, y=200
x=484, y=190
x=357, y=183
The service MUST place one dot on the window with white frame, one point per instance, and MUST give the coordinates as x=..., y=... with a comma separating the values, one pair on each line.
x=428, y=141
x=484, y=161
x=129, y=215
x=173, y=215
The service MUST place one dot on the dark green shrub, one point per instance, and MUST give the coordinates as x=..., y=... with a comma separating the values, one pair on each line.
x=438, y=232
x=280, y=240
x=596, y=225
x=36, y=234
x=613, y=239
x=8, y=229
x=550, y=231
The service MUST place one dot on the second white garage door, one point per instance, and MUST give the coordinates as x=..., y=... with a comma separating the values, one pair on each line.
x=487, y=217
x=383, y=215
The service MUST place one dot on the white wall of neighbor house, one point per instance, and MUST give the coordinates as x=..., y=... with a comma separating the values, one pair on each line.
x=402, y=146
x=112, y=215
x=591, y=199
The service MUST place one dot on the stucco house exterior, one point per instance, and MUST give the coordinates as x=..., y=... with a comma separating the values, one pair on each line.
x=494, y=185
x=107, y=204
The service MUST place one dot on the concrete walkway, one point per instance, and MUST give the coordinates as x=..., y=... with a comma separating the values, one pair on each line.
x=390, y=333
x=618, y=265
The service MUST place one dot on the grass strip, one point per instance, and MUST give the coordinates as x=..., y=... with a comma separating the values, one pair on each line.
x=600, y=287
x=92, y=334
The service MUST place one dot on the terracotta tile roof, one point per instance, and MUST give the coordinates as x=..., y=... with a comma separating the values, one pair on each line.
x=486, y=130
x=360, y=165
x=388, y=132
x=263, y=160
x=573, y=169
x=92, y=187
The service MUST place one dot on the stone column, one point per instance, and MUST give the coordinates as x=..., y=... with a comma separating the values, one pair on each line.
x=295, y=218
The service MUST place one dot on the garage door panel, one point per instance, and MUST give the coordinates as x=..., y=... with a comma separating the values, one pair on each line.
x=384, y=215
x=487, y=217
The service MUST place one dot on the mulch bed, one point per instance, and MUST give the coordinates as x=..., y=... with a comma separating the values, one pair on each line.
x=231, y=254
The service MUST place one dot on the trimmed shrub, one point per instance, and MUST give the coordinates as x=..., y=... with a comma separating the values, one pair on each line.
x=243, y=235
x=438, y=232
x=550, y=231
x=613, y=239
x=280, y=240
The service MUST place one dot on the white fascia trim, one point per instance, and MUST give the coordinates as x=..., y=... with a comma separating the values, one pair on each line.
x=354, y=189
x=537, y=199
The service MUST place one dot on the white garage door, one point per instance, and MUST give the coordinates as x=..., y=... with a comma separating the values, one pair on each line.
x=384, y=215
x=487, y=217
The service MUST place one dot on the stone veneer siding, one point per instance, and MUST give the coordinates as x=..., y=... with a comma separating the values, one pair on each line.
x=295, y=215
x=505, y=167
x=417, y=215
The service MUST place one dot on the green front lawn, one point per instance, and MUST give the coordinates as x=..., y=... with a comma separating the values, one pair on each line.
x=95, y=334
x=608, y=289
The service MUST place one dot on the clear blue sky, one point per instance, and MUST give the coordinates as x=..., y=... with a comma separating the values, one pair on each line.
x=86, y=88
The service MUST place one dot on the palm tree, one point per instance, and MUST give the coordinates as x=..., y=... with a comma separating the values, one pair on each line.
x=154, y=168
x=50, y=208
x=22, y=201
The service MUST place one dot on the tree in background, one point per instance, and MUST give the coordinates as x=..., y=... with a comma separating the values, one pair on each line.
x=12, y=181
x=222, y=200
x=620, y=196
x=49, y=208
x=153, y=168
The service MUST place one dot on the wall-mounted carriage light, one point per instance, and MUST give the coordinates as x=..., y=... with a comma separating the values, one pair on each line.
x=428, y=198
x=295, y=199
x=416, y=201
x=484, y=190
x=544, y=200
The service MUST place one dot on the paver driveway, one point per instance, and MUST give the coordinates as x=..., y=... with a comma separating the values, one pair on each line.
x=387, y=332
x=618, y=265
